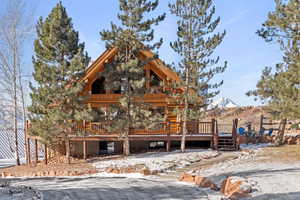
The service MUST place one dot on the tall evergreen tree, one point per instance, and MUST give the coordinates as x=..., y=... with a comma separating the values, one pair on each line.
x=59, y=64
x=126, y=72
x=195, y=44
x=280, y=90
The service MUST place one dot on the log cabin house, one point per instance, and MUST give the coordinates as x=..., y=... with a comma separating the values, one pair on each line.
x=95, y=140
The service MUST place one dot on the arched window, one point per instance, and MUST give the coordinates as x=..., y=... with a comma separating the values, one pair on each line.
x=98, y=86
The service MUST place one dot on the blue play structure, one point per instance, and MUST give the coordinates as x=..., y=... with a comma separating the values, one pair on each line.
x=242, y=131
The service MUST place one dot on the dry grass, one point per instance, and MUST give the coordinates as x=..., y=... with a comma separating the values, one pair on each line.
x=79, y=166
x=286, y=153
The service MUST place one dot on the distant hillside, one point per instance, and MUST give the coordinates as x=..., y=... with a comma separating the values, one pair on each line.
x=244, y=114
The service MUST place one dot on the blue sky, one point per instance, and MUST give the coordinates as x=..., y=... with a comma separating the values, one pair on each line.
x=246, y=53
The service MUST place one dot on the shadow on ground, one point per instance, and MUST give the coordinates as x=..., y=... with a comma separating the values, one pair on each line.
x=256, y=173
x=278, y=196
x=97, y=188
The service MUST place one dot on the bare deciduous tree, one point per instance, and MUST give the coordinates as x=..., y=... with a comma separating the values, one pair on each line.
x=15, y=29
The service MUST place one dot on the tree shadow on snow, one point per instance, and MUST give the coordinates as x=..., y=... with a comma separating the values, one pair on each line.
x=113, y=188
x=265, y=173
x=279, y=196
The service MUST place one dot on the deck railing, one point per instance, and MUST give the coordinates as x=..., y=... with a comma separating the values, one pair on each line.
x=114, y=98
x=159, y=128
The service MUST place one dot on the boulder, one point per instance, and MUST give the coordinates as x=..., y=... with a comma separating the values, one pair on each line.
x=145, y=172
x=206, y=183
x=186, y=177
x=92, y=171
x=297, y=140
x=291, y=140
x=236, y=187
x=52, y=173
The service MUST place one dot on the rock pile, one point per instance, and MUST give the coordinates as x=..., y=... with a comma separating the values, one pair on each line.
x=198, y=180
x=48, y=173
x=131, y=169
x=236, y=187
x=233, y=188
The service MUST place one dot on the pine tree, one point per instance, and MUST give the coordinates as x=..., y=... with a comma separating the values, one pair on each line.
x=280, y=89
x=59, y=64
x=126, y=72
x=195, y=44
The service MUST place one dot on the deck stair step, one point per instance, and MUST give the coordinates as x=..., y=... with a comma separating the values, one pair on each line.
x=226, y=143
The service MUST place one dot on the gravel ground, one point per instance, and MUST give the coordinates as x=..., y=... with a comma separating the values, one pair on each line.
x=98, y=188
x=275, y=177
x=9, y=192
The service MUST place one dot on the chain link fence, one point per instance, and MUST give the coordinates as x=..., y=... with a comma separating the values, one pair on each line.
x=7, y=144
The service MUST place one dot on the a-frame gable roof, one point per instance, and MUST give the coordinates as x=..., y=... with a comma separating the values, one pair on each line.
x=98, y=64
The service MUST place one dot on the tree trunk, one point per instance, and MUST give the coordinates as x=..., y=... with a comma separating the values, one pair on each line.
x=67, y=141
x=280, y=136
x=188, y=70
x=184, y=126
x=15, y=106
x=126, y=146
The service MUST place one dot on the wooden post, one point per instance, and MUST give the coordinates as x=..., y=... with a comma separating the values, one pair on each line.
x=215, y=133
x=68, y=151
x=46, y=154
x=36, y=151
x=84, y=149
x=168, y=137
x=28, y=150
x=234, y=134
x=248, y=133
x=280, y=136
x=261, y=125
x=84, y=127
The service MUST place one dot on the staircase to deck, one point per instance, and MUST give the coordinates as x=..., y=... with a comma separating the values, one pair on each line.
x=226, y=143
x=226, y=137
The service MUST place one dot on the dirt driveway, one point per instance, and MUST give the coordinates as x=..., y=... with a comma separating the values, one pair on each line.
x=97, y=188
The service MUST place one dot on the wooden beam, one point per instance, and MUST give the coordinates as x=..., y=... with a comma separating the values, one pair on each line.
x=46, y=154
x=68, y=151
x=84, y=149
x=28, y=150
x=168, y=145
x=177, y=137
x=261, y=123
x=148, y=78
x=36, y=151
x=34, y=137
x=215, y=133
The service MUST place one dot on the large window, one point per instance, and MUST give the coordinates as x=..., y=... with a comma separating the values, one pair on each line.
x=98, y=86
x=154, y=79
x=155, y=83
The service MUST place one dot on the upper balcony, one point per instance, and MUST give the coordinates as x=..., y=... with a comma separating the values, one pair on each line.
x=114, y=98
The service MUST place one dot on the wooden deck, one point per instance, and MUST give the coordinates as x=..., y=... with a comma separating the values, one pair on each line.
x=163, y=131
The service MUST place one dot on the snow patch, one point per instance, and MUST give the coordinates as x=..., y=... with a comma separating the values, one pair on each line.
x=223, y=103
x=268, y=179
x=255, y=146
x=163, y=161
